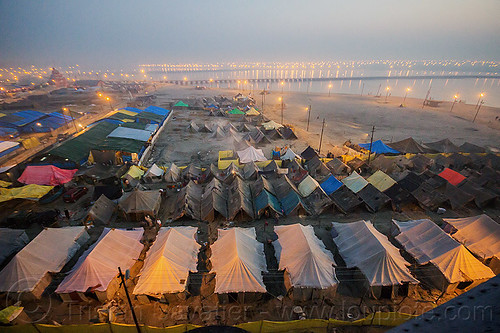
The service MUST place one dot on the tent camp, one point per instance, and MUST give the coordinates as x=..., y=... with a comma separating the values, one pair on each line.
x=166, y=269
x=137, y=204
x=445, y=262
x=46, y=175
x=28, y=272
x=235, y=111
x=355, y=182
x=385, y=271
x=337, y=167
x=11, y=241
x=251, y=155
x=409, y=145
x=481, y=235
x=308, y=265
x=98, y=266
x=102, y=210
x=238, y=261
x=7, y=147
x=378, y=147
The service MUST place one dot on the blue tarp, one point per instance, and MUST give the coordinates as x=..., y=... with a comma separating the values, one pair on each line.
x=21, y=118
x=128, y=108
x=48, y=123
x=109, y=120
x=5, y=131
x=266, y=199
x=290, y=202
x=157, y=110
x=331, y=185
x=378, y=147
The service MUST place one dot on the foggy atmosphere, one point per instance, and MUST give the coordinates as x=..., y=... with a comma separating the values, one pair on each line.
x=259, y=166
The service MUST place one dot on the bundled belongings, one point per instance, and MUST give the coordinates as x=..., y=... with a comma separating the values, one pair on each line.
x=446, y=263
x=238, y=261
x=168, y=263
x=309, y=267
x=11, y=241
x=384, y=271
x=480, y=235
x=29, y=271
x=98, y=266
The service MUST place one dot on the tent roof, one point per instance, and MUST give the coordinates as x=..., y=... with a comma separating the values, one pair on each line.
x=134, y=172
x=238, y=261
x=355, y=182
x=363, y=246
x=378, y=147
x=451, y=176
x=426, y=242
x=307, y=186
x=46, y=175
x=304, y=256
x=270, y=125
x=154, y=171
x=381, y=181
x=181, y=103
x=252, y=112
x=102, y=209
x=408, y=145
x=140, y=201
x=130, y=133
x=468, y=147
x=308, y=153
x=480, y=234
x=168, y=262
x=236, y=111
x=48, y=252
x=331, y=184
x=251, y=154
x=157, y=110
x=99, y=264
x=6, y=145
x=289, y=155
x=443, y=146
x=11, y=241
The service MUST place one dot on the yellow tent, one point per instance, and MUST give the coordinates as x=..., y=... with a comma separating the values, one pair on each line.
x=252, y=112
x=30, y=143
x=381, y=181
x=128, y=113
x=135, y=172
x=4, y=183
x=31, y=191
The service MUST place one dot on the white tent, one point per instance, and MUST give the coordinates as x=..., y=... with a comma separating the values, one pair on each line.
x=238, y=261
x=480, y=234
x=11, y=241
x=271, y=125
x=130, y=133
x=251, y=154
x=428, y=243
x=304, y=257
x=169, y=261
x=355, y=182
x=97, y=267
x=364, y=247
x=48, y=252
x=154, y=171
x=289, y=155
x=307, y=186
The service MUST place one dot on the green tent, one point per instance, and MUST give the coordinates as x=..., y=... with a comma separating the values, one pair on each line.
x=78, y=148
x=121, y=144
x=181, y=104
x=149, y=116
x=236, y=111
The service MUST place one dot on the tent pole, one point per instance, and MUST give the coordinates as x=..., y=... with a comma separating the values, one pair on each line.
x=129, y=301
x=321, y=136
x=371, y=142
x=308, y=117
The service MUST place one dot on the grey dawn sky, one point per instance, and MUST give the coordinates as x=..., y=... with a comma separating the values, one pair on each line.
x=123, y=33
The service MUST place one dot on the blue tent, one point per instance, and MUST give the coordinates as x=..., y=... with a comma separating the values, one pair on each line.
x=21, y=118
x=378, y=147
x=47, y=123
x=6, y=131
x=128, y=108
x=157, y=110
x=331, y=185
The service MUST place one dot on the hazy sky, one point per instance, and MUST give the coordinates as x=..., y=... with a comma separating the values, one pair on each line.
x=119, y=33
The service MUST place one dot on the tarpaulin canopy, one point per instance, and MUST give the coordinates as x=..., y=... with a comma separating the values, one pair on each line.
x=238, y=261
x=330, y=185
x=131, y=109
x=48, y=252
x=443, y=146
x=307, y=186
x=166, y=269
x=252, y=112
x=99, y=264
x=251, y=155
x=355, y=182
x=381, y=181
x=235, y=111
x=409, y=145
x=451, y=176
x=426, y=242
x=7, y=147
x=266, y=200
x=157, y=110
x=480, y=234
x=147, y=202
x=378, y=147
x=11, y=241
x=364, y=247
x=134, y=172
x=270, y=125
x=304, y=256
x=130, y=133
x=21, y=118
x=46, y=175
x=31, y=192
x=468, y=147
x=181, y=104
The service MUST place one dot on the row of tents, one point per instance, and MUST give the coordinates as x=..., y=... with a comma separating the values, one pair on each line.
x=462, y=258
x=411, y=146
x=123, y=136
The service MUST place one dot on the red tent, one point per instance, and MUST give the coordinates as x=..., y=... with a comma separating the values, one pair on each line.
x=46, y=175
x=453, y=177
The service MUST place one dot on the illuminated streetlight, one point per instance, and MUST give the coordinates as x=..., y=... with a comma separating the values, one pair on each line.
x=454, y=101
x=479, y=106
x=387, y=93
x=481, y=95
x=406, y=94
x=281, y=100
x=282, y=86
x=329, y=89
